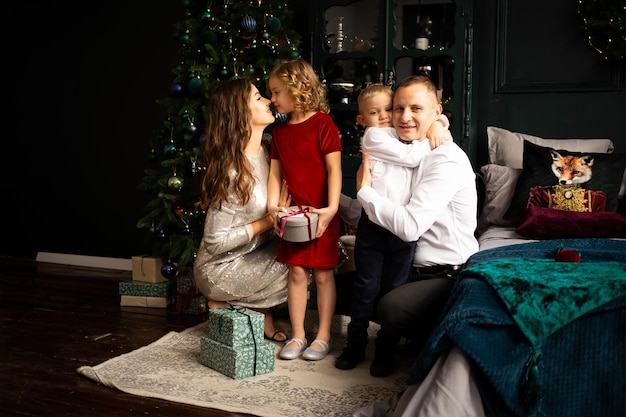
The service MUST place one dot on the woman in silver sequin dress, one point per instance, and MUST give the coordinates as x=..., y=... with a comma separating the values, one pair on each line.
x=236, y=262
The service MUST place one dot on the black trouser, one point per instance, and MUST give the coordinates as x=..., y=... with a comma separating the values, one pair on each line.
x=383, y=262
x=414, y=309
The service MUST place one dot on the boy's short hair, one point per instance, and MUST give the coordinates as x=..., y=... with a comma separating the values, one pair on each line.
x=371, y=90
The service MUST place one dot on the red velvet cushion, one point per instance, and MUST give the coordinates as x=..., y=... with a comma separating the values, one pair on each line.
x=547, y=223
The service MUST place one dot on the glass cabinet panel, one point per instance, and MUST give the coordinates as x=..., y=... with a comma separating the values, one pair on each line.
x=352, y=28
x=424, y=24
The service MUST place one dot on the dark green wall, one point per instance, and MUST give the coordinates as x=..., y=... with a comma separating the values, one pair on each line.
x=553, y=84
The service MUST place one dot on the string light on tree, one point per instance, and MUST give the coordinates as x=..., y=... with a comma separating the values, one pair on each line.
x=605, y=25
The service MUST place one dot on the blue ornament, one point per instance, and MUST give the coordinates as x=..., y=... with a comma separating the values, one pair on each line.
x=273, y=24
x=280, y=118
x=176, y=89
x=248, y=23
x=168, y=270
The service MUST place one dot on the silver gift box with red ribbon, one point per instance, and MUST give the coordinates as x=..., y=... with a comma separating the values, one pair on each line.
x=297, y=224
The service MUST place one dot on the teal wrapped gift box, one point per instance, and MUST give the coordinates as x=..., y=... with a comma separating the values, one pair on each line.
x=236, y=326
x=147, y=289
x=240, y=362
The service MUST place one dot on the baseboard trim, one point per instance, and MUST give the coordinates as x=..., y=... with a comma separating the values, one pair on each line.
x=83, y=260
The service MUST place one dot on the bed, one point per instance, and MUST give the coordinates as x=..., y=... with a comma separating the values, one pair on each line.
x=536, y=323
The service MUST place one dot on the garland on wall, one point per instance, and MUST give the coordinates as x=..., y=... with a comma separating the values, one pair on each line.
x=605, y=22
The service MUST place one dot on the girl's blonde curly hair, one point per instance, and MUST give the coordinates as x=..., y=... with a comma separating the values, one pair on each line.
x=303, y=85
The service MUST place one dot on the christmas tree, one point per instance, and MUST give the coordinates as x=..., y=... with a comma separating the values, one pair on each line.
x=219, y=40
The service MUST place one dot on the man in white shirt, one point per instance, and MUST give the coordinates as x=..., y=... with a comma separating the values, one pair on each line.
x=383, y=261
x=440, y=215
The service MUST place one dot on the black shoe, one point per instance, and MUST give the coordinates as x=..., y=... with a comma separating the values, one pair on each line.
x=350, y=358
x=383, y=364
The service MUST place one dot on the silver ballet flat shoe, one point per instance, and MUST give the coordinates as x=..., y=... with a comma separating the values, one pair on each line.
x=311, y=354
x=289, y=353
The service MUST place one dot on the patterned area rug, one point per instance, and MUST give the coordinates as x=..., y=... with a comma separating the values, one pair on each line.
x=170, y=369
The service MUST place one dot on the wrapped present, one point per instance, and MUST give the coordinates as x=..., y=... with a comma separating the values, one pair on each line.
x=297, y=224
x=141, y=301
x=236, y=326
x=147, y=269
x=147, y=289
x=189, y=299
x=312, y=321
x=238, y=362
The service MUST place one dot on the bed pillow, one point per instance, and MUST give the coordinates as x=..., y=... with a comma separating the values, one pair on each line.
x=592, y=171
x=499, y=183
x=506, y=147
x=547, y=223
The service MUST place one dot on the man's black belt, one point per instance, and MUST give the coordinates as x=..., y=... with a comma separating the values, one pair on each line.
x=442, y=270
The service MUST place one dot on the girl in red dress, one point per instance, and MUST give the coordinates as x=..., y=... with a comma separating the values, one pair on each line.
x=306, y=153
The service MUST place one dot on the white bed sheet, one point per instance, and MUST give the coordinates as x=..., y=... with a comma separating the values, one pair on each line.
x=496, y=236
x=448, y=390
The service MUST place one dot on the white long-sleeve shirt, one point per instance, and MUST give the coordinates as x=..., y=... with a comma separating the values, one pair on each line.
x=441, y=212
x=392, y=162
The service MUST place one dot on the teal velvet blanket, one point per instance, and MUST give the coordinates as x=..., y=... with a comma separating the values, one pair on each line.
x=544, y=338
x=543, y=295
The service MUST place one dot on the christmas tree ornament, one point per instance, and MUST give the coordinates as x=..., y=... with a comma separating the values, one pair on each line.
x=209, y=37
x=169, y=149
x=195, y=86
x=168, y=270
x=224, y=72
x=248, y=23
x=194, y=163
x=175, y=183
x=280, y=118
x=273, y=24
x=161, y=234
x=176, y=89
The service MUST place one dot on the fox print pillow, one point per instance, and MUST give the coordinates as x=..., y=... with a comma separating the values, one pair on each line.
x=565, y=180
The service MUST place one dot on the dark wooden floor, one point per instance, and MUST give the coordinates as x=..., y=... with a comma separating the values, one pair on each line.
x=57, y=318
